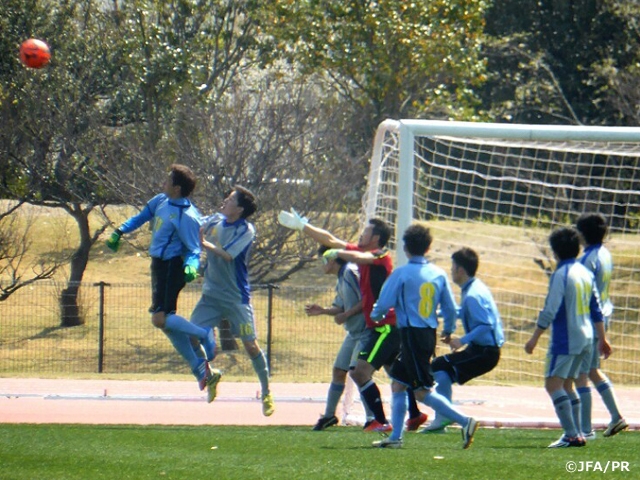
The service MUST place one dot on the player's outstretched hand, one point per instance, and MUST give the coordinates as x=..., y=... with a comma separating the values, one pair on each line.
x=292, y=220
x=190, y=274
x=113, y=243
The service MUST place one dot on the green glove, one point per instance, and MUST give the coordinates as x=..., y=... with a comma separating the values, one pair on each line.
x=114, y=241
x=190, y=274
x=330, y=254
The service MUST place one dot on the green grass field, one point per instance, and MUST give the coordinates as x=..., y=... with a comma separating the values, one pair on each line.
x=159, y=452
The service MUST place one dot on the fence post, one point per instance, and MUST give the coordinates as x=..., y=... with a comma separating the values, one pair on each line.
x=270, y=288
x=101, y=325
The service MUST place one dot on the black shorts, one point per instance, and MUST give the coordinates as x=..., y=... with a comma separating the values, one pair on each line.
x=413, y=367
x=167, y=279
x=473, y=361
x=380, y=346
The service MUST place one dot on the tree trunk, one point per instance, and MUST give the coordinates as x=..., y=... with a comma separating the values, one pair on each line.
x=227, y=342
x=70, y=314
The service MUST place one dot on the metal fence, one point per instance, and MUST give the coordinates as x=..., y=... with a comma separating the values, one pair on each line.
x=117, y=336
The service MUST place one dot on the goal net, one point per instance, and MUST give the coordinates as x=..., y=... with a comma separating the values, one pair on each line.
x=501, y=190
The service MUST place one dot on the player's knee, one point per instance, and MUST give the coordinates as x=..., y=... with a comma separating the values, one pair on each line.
x=158, y=320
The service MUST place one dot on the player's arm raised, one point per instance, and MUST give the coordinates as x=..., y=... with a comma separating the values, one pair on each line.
x=295, y=221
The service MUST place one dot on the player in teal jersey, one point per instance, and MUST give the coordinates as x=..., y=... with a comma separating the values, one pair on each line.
x=597, y=258
x=572, y=309
x=483, y=334
x=175, y=258
x=417, y=291
x=346, y=311
x=227, y=238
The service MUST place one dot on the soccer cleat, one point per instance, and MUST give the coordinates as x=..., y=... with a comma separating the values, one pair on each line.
x=589, y=436
x=268, y=406
x=209, y=344
x=387, y=443
x=202, y=373
x=468, y=432
x=413, y=424
x=566, y=442
x=212, y=384
x=325, y=422
x=615, y=427
x=439, y=425
x=376, y=426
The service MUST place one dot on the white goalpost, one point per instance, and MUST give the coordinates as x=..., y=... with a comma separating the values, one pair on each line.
x=501, y=189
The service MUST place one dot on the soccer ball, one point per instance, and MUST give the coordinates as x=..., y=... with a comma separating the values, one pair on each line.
x=34, y=53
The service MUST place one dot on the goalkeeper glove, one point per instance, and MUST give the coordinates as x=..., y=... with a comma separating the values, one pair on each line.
x=114, y=241
x=330, y=254
x=292, y=220
x=190, y=274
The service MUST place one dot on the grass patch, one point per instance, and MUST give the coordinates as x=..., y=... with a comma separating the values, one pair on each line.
x=151, y=452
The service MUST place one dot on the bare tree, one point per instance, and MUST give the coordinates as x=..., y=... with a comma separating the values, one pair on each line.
x=18, y=266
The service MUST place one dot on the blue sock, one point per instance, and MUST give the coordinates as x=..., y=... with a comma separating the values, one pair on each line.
x=585, y=414
x=443, y=387
x=605, y=389
x=562, y=405
x=260, y=366
x=576, y=410
x=176, y=323
x=333, y=397
x=182, y=344
x=398, y=412
x=443, y=407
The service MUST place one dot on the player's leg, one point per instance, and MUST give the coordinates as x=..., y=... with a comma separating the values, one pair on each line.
x=242, y=320
x=559, y=373
x=605, y=388
x=341, y=366
x=584, y=392
x=205, y=315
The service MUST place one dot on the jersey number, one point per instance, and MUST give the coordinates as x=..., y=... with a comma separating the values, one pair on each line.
x=427, y=294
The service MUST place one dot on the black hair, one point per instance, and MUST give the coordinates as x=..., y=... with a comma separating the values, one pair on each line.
x=593, y=227
x=417, y=239
x=322, y=249
x=246, y=200
x=565, y=243
x=467, y=259
x=182, y=176
x=381, y=229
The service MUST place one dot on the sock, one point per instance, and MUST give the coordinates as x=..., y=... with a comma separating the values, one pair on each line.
x=444, y=408
x=260, y=366
x=414, y=411
x=605, y=389
x=176, y=323
x=371, y=395
x=585, y=414
x=443, y=387
x=562, y=405
x=367, y=411
x=398, y=412
x=182, y=344
x=333, y=397
x=576, y=410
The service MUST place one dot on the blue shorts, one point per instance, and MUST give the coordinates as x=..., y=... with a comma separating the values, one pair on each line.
x=210, y=311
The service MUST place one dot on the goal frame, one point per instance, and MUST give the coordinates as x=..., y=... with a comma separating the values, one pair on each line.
x=407, y=130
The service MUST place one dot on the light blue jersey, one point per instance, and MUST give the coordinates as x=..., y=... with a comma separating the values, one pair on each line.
x=416, y=290
x=571, y=307
x=479, y=315
x=348, y=295
x=598, y=261
x=176, y=228
x=228, y=281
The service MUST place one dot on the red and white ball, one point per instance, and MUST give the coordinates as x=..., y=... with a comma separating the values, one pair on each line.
x=34, y=53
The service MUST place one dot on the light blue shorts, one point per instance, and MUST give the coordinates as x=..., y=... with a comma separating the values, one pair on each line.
x=348, y=353
x=210, y=311
x=566, y=366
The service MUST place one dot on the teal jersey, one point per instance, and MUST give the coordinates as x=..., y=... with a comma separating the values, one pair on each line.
x=223, y=280
x=415, y=291
x=571, y=308
x=348, y=295
x=176, y=228
x=598, y=261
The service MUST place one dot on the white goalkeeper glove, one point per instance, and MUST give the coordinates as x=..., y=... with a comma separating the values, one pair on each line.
x=292, y=220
